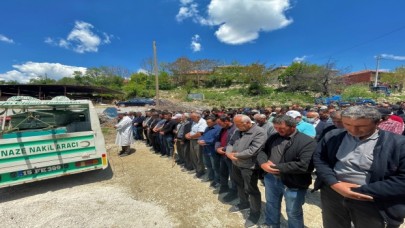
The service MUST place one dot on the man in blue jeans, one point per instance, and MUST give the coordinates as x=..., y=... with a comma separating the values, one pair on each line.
x=286, y=157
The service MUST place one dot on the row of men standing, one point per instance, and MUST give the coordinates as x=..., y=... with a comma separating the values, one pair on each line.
x=360, y=169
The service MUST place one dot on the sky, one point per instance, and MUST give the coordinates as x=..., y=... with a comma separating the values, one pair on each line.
x=56, y=38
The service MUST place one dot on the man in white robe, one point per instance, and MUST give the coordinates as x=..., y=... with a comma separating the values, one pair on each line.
x=124, y=134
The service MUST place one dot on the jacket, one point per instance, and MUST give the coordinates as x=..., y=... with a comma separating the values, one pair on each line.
x=387, y=179
x=247, y=145
x=296, y=162
x=210, y=136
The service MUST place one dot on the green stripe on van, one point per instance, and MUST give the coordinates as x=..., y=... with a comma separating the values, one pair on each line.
x=51, y=154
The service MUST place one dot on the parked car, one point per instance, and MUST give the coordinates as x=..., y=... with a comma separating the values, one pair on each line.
x=140, y=101
x=328, y=100
x=381, y=89
x=357, y=101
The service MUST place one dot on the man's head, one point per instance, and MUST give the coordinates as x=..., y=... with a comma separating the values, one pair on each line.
x=224, y=121
x=177, y=117
x=167, y=116
x=260, y=119
x=312, y=117
x=211, y=120
x=295, y=115
x=242, y=122
x=361, y=121
x=285, y=125
x=185, y=116
x=195, y=116
x=336, y=117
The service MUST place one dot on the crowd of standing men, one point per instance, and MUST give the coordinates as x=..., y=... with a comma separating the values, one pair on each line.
x=358, y=154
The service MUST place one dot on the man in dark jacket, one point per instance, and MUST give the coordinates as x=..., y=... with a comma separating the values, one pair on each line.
x=361, y=173
x=286, y=157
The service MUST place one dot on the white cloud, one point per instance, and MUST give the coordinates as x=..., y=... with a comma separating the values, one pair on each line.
x=29, y=70
x=393, y=57
x=81, y=39
x=4, y=38
x=239, y=21
x=300, y=59
x=185, y=12
x=195, y=43
x=143, y=71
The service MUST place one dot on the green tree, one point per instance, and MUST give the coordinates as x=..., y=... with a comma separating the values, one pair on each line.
x=136, y=86
x=42, y=80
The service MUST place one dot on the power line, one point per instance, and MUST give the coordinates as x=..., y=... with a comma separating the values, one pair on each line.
x=365, y=42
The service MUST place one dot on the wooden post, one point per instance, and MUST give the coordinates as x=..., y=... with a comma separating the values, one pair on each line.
x=155, y=69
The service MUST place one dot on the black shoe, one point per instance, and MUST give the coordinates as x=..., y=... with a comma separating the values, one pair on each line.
x=206, y=180
x=230, y=197
x=220, y=190
x=252, y=219
x=198, y=175
x=191, y=171
x=214, y=185
x=238, y=207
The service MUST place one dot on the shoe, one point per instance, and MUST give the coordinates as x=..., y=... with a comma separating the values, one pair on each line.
x=230, y=197
x=238, y=207
x=198, y=175
x=220, y=190
x=252, y=219
x=123, y=154
x=206, y=180
x=184, y=170
x=214, y=185
x=191, y=171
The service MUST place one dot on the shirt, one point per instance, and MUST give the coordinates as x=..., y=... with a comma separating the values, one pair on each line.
x=198, y=127
x=278, y=147
x=306, y=128
x=355, y=157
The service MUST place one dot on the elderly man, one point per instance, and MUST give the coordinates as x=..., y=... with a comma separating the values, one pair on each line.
x=286, y=158
x=319, y=125
x=261, y=121
x=124, y=134
x=242, y=149
x=197, y=129
x=361, y=173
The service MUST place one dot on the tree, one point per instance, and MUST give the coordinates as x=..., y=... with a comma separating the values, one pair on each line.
x=180, y=68
x=309, y=77
x=395, y=79
x=42, y=80
x=136, y=86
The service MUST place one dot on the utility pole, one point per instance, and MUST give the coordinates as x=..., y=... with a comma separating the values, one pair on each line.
x=155, y=70
x=376, y=71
